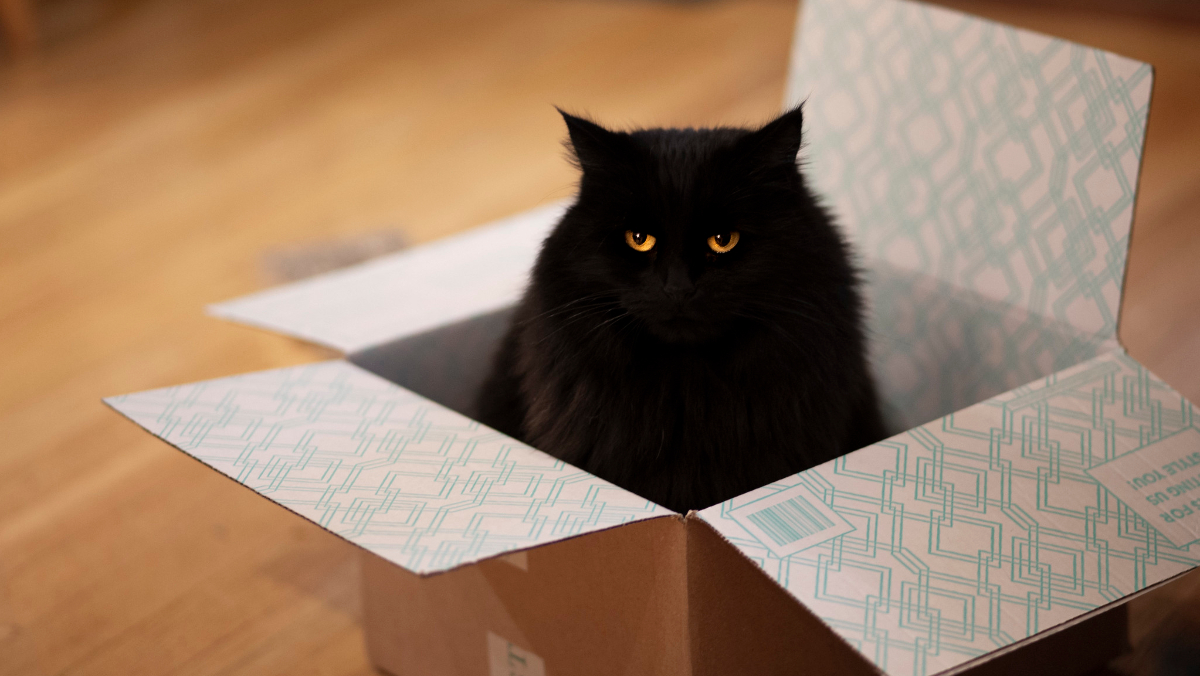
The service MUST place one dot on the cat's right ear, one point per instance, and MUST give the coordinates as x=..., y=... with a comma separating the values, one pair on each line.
x=778, y=142
x=594, y=148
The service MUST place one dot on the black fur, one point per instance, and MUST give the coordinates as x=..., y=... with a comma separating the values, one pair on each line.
x=686, y=376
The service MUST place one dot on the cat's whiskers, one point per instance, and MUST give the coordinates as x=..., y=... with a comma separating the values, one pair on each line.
x=579, y=316
x=608, y=321
x=633, y=321
x=774, y=326
x=592, y=298
x=793, y=301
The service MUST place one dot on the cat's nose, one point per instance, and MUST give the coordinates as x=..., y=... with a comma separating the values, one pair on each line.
x=678, y=284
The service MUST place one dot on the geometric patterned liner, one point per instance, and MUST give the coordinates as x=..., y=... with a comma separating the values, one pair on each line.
x=975, y=531
x=998, y=161
x=411, y=481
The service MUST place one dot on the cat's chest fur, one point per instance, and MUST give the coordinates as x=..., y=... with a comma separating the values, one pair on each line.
x=685, y=426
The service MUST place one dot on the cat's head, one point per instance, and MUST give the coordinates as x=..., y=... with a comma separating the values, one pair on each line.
x=688, y=234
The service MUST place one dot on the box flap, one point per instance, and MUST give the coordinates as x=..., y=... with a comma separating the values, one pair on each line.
x=977, y=530
x=411, y=481
x=1001, y=161
x=455, y=278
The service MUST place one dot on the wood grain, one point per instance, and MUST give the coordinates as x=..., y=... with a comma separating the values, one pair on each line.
x=148, y=161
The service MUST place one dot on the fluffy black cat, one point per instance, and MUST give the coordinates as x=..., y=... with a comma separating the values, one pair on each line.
x=693, y=328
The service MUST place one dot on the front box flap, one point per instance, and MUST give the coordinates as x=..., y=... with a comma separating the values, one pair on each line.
x=413, y=482
x=612, y=603
x=975, y=531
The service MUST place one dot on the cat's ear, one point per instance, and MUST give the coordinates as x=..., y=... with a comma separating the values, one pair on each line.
x=777, y=143
x=594, y=148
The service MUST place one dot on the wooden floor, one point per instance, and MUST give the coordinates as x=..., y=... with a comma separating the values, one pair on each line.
x=152, y=151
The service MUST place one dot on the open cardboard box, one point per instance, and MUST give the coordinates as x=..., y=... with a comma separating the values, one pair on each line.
x=986, y=176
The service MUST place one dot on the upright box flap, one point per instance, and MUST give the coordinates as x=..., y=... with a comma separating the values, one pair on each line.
x=398, y=475
x=975, y=531
x=452, y=279
x=1001, y=161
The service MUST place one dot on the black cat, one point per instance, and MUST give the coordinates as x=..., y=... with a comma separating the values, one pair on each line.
x=693, y=328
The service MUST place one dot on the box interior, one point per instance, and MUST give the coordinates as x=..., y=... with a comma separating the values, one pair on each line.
x=935, y=348
x=447, y=364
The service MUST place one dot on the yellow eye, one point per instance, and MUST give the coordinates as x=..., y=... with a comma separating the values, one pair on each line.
x=640, y=241
x=724, y=242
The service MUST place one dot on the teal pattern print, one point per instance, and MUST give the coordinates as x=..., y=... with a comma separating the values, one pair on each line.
x=415, y=483
x=996, y=162
x=982, y=528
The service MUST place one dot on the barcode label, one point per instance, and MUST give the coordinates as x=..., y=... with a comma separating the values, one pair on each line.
x=790, y=521
x=508, y=659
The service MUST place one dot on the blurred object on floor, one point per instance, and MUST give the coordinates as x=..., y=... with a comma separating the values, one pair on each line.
x=19, y=23
x=45, y=24
x=299, y=261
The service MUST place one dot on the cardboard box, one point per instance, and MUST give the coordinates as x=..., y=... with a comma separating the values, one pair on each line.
x=987, y=177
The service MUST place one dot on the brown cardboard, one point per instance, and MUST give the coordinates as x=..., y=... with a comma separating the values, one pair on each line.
x=611, y=603
x=741, y=622
x=665, y=597
x=1081, y=648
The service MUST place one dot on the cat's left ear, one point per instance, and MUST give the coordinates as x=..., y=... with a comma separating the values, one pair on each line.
x=596, y=150
x=778, y=143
